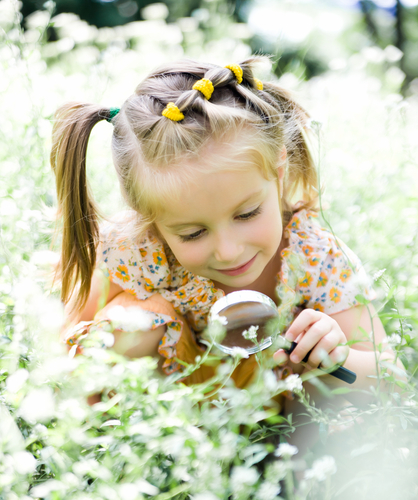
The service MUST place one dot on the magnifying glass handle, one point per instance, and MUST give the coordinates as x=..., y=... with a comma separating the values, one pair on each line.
x=341, y=373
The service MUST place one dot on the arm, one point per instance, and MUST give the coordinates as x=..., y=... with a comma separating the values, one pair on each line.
x=105, y=294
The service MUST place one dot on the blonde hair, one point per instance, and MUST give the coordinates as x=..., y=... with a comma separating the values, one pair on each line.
x=151, y=152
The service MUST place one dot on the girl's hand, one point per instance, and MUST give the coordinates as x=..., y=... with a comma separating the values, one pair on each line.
x=316, y=331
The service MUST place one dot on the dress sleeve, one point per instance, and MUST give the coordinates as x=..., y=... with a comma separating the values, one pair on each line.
x=338, y=280
x=138, y=265
x=329, y=274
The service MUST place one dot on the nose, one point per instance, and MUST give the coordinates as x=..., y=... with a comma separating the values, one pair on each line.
x=228, y=249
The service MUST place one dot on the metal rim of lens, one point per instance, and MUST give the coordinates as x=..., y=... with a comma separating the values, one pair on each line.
x=238, y=297
x=250, y=350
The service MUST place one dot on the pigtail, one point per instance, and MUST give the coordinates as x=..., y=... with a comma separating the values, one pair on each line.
x=76, y=208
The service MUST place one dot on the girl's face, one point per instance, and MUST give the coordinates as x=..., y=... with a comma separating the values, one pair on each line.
x=226, y=226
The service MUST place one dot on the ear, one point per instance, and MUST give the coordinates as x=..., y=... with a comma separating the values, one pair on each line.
x=281, y=168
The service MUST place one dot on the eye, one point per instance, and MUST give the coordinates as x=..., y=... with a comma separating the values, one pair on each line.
x=250, y=215
x=191, y=237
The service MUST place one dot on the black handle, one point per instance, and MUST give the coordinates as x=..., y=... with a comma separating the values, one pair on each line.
x=341, y=373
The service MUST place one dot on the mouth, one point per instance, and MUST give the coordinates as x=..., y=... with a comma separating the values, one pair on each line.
x=238, y=270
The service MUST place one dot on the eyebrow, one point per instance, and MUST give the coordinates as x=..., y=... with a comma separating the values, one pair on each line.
x=186, y=224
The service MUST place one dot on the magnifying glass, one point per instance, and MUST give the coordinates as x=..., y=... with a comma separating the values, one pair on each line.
x=252, y=323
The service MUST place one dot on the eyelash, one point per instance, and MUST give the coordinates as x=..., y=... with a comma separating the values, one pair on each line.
x=243, y=217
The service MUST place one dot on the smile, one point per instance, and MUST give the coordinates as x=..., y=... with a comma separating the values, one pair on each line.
x=238, y=270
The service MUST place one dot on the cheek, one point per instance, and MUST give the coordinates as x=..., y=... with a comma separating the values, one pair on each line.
x=190, y=256
x=268, y=231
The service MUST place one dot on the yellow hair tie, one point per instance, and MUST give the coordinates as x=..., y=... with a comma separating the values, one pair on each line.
x=237, y=70
x=205, y=86
x=172, y=112
x=258, y=83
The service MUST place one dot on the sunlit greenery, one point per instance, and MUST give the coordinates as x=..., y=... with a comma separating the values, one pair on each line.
x=152, y=436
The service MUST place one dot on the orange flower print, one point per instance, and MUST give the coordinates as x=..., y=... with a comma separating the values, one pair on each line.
x=180, y=294
x=322, y=280
x=303, y=235
x=122, y=273
x=305, y=299
x=314, y=259
x=345, y=274
x=295, y=223
x=121, y=245
x=335, y=295
x=334, y=270
x=199, y=299
x=143, y=252
x=175, y=326
x=286, y=252
x=306, y=280
x=148, y=285
x=159, y=258
x=131, y=291
x=318, y=307
x=307, y=249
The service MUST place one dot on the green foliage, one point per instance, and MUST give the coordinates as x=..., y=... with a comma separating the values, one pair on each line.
x=151, y=436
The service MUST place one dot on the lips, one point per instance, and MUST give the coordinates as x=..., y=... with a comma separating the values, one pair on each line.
x=238, y=270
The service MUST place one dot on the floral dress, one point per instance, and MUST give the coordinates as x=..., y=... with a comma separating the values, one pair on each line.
x=318, y=271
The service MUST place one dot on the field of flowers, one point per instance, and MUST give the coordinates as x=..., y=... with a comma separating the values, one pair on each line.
x=152, y=436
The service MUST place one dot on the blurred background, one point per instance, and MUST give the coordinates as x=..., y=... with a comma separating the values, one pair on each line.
x=306, y=37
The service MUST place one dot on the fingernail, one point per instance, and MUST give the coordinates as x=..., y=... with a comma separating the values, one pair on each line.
x=327, y=362
x=341, y=359
x=294, y=358
x=279, y=357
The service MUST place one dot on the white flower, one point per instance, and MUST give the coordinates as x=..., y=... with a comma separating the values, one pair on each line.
x=293, y=383
x=321, y=469
x=130, y=319
x=216, y=331
x=24, y=462
x=267, y=491
x=270, y=381
x=394, y=339
x=392, y=54
x=38, y=405
x=221, y=319
x=44, y=489
x=251, y=333
x=242, y=477
x=286, y=450
x=239, y=353
x=16, y=381
x=207, y=495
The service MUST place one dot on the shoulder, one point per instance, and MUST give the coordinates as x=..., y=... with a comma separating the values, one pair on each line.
x=134, y=260
x=327, y=275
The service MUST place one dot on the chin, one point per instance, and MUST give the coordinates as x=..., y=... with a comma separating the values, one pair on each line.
x=239, y=281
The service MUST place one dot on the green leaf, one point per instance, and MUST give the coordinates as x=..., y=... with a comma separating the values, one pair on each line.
x=361, y=299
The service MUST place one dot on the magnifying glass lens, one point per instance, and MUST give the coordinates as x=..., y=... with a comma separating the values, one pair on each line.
x=241, y=317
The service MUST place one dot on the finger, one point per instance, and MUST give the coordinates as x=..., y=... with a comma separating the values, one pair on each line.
x=311, y=338
x=305, y=319
x=280, y=357
x=320, y=353
x=336, y=357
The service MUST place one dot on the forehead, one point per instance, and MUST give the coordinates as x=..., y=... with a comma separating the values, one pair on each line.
x=208, y=197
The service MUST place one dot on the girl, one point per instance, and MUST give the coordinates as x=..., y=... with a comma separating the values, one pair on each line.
x=210, y=160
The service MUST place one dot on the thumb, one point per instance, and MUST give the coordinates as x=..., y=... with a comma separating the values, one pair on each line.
x=280, y=357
